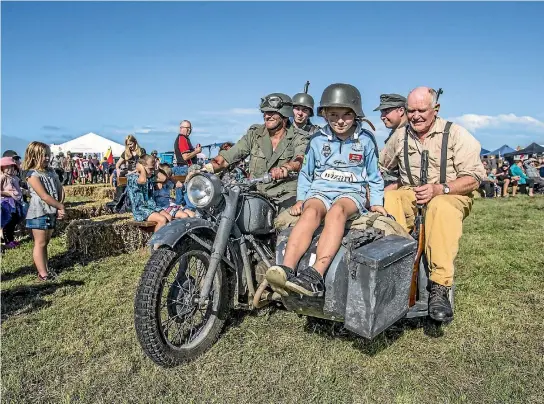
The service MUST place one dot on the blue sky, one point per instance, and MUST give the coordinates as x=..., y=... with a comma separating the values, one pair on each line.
x=69, y=68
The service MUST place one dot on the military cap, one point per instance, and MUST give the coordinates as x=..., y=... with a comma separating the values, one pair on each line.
x=391, y=101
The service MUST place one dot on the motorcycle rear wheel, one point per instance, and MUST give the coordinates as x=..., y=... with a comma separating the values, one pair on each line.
x=166, y=308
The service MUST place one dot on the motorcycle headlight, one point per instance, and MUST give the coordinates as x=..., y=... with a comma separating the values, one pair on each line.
x=204, y=190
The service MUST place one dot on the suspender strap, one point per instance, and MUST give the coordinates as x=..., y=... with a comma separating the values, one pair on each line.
x=444, y=153
x=406, y=161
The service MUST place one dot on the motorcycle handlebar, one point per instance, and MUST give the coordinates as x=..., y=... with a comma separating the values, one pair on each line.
x=267, y=178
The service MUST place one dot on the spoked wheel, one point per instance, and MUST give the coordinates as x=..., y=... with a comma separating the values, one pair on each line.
x=172, y=327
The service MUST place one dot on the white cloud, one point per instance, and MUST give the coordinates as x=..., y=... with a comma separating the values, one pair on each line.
x=474, y=122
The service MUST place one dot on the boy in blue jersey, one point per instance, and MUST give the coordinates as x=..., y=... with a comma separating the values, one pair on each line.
x=341, y=160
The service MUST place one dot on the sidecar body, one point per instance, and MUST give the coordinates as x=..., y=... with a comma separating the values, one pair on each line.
x=367, y=286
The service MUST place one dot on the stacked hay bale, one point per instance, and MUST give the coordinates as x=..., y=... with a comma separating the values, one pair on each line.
x=94, y=191
x=76, y=211
x=105, y=236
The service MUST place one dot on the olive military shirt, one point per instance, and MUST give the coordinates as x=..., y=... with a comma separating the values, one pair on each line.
x=309, y=128
x=463, y=157
x=257, y=145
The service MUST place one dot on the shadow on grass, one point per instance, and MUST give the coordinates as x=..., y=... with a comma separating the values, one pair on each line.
x=334, y=330
x=25, y=299
x=60, y=263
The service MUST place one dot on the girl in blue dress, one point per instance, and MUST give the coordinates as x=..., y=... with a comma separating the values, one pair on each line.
x=140, y=185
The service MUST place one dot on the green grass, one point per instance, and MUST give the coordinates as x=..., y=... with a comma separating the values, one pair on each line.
x=74, y=340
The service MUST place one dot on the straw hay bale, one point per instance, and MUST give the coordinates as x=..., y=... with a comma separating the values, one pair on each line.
x=92, y=190
x=78, y=210
x=105, y=236
x=105, y=193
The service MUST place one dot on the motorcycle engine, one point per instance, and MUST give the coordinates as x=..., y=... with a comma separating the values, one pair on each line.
x=260, y=271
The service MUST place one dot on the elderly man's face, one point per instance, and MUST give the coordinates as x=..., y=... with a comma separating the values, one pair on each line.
x=185, y=128
x=421, y=113
x=392, y=117
x=301, y=114
x=272, y=120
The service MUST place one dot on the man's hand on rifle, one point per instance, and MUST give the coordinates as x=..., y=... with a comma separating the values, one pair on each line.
x=425, y=193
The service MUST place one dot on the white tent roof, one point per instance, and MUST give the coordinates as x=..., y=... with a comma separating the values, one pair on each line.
x=89, y=143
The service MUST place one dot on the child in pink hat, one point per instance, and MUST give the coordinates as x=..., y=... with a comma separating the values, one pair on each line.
x=12, y=200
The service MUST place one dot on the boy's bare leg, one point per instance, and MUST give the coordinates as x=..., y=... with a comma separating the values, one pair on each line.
x=333, y=232
x=301, y=235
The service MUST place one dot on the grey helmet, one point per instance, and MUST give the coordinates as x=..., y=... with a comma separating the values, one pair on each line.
x=304, y=100
x=341, y=95
x=277, y=102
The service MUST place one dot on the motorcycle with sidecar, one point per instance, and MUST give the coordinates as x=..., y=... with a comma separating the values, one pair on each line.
x=203, y=267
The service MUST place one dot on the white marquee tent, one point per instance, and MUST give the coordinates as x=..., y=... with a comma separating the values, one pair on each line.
x=91, y=143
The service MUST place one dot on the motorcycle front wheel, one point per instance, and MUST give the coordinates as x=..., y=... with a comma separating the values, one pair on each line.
x=172, y=328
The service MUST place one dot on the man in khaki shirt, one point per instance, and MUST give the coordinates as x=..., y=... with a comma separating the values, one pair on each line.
x=448, y=198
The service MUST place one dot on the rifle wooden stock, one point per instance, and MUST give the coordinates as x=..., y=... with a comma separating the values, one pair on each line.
x=419, y=227
x=415, y=268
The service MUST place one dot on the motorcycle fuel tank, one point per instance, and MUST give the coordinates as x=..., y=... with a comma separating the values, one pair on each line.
x=367, y=287
x=255, y=215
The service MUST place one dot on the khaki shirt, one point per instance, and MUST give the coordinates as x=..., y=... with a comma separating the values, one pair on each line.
x=401, y=124
x=463, y=158
x=257, y=145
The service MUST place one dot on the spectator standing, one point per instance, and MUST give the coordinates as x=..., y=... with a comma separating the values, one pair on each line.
x=46, y=203
x=183, y=149
x=68, y=167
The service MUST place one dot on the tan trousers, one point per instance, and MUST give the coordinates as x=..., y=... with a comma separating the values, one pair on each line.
x=443, y=227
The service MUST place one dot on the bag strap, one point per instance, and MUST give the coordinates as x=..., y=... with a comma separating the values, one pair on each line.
x=406, y=161
x=444, y=153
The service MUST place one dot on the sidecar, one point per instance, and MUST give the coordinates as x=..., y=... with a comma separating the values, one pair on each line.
x=367, y=285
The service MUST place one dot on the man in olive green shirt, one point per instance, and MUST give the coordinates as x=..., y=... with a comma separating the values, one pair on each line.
x=275, y=147
x=303, y=110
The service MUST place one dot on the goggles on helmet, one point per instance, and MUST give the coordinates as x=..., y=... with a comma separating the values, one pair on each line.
x=273, y=102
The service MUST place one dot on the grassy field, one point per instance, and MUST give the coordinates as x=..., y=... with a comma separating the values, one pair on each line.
x=74, y=340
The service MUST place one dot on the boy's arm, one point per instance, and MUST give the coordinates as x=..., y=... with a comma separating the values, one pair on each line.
x=306, y=173
x=375, y=180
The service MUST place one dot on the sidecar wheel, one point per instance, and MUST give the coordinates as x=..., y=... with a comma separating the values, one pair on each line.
x=170, y=326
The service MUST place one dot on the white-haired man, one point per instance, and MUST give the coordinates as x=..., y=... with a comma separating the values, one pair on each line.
x=455, y=171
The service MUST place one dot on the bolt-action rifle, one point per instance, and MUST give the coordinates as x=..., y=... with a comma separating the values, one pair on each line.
x=419, y=229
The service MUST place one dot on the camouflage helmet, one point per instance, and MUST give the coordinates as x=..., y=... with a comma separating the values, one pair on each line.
x=304, y=100
x=341, y=95
x=277, y=102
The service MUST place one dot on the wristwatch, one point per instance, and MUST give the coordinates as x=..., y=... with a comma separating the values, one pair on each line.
x=446, y=189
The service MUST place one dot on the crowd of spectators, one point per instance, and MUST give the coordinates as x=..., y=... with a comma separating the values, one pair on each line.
x=81, y=169
x=522, y=175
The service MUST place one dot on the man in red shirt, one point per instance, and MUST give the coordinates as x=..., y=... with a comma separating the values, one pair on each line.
x=183, y=149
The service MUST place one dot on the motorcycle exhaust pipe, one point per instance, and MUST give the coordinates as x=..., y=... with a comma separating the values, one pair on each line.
x=220, y=242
